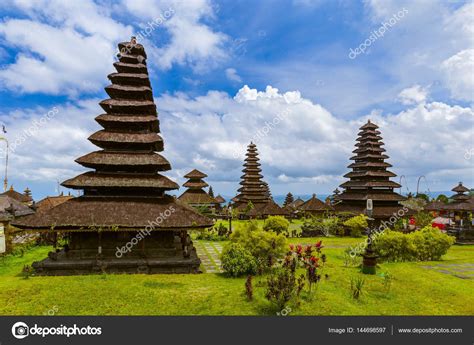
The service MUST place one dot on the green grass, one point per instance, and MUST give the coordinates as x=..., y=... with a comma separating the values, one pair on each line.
x=414, y=291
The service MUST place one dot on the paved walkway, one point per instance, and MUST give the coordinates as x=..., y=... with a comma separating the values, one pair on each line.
x=209, y=252
x=464, y=270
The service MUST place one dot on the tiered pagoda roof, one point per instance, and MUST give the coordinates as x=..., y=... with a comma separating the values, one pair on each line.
x=460, y=191
x=195, y=195
x=460, y=200
x=125, y=187
x=288, y=199
x=253, y=188
x=220, y=199
x=369, y=178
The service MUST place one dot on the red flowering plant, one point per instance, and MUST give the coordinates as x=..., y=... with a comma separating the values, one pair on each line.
x=310, y=257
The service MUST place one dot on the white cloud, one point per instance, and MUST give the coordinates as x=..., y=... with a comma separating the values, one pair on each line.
x=44, y=150
x=64, y=47
x=67, y=47
x=192, y=42
x=459, y=74
x=413, y=95
x=231, y=74
x=306, y=151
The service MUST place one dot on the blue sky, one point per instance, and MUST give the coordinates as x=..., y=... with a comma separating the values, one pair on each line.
x=221, y=70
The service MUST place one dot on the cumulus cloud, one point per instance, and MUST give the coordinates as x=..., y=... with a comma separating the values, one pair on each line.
x=413, y=95
x=459, y=74
x=307, y=149
x=192, y=42
x=60, y=46
x=67, y=47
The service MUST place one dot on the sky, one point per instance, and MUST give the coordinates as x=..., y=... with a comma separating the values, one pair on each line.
x=296, y=77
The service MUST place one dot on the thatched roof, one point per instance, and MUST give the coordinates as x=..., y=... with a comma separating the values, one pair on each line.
x=296, y=204
x=106, y=180
x=12, y=193
x=270, y=208
x=195, y=174
x=460, y=188
x=51, y=201
x=378, y=211
x=434, y=206
x=197, y=197
x=315, y=205
x=220, y=199
x=119, y=213
x=11, y=208
x=128, y=160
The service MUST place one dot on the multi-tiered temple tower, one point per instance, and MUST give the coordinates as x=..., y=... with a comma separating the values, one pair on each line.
x=124, y=221
x=195, y=195
x=254, y=190
x=369, y=178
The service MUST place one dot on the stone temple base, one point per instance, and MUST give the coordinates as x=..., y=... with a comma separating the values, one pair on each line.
x=93, y=253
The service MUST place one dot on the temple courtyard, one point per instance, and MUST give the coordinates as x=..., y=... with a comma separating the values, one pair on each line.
x=416, y=288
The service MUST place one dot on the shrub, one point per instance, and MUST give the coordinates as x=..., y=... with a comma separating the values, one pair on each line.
x=356, y=225
x=357, y=285
x=315, y=226
x=310, y=257
x=422, y=245
x=423, y=219
x=265, y=246
x=281, y=287
x=430, y=243
x=278, y=224
x=237, y=261
x=213, y=234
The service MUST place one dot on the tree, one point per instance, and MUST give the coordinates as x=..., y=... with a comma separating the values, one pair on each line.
x=423, y=196
x=211, y=192
x=248, y=207
x=443, y=198
x=288, y=200
x=277, y=224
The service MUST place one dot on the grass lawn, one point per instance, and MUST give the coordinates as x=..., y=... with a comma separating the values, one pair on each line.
x=415, y=290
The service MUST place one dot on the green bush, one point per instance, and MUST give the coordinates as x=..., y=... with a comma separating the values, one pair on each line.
x=427, y=244
x=356, y=225
x=423, y=219
x=315, y=226
x=277, y=224
x=237, y=261
x=265, y=246
x=430, y=243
